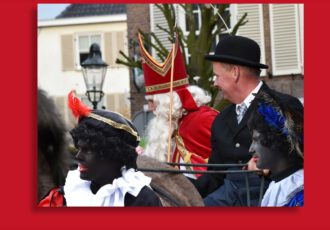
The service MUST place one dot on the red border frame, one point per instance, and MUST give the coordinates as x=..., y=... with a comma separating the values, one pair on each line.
x=19, y=132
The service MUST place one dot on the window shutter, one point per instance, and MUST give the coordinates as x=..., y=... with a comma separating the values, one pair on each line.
x=67, y=53
x=117, y=103
x=254, y=28
x=114, y=42
x=285, y=39
x=301, y=34
x=157, y=18
x=108, y=48
x=110, y=101
x=301, y=27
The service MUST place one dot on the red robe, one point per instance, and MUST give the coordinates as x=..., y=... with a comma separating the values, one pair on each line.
x=193, y=139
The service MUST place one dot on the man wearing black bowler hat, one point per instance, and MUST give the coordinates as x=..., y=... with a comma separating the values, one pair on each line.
x=236, y=65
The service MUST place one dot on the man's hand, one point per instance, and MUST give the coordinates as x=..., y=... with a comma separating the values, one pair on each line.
x=252, y=165
x=139, y=150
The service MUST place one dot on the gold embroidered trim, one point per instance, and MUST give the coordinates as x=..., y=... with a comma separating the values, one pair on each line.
x=115, y=125
x=166, y=85
x=186, y=155
x=160, y=68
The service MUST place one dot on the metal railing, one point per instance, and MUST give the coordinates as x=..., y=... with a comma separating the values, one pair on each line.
x=246, y=172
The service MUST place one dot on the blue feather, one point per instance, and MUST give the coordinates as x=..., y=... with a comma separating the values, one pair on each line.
x=273, y=118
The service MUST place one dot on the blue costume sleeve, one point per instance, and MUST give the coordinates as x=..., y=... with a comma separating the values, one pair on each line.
x=297, y=200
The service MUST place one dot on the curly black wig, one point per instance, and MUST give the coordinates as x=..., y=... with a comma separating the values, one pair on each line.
x=109, y=142
x=280, y=125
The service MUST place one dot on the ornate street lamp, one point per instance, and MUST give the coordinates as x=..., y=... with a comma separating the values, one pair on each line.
x=94, y=70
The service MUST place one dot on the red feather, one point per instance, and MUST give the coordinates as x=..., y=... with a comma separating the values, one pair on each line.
x=78, y=108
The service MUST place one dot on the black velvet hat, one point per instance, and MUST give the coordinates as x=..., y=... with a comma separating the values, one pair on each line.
x=237, y=50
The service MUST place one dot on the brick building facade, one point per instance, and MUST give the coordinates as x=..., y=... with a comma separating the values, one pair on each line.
x=138, y=17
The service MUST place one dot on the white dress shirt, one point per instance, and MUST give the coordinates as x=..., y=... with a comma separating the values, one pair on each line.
x=248, y=100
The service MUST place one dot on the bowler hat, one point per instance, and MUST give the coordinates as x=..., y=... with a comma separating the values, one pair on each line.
x=237, y=50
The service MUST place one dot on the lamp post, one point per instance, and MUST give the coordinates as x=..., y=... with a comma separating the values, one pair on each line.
x=94, y=70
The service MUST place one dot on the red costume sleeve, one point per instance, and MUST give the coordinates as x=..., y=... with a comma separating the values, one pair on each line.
x=55, y=198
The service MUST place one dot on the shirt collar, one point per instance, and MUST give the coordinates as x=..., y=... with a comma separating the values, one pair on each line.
x=248, y=100
x=77, y=192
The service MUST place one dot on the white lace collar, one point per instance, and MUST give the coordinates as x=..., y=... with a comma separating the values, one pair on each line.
x=281, y=192
x=77, y=192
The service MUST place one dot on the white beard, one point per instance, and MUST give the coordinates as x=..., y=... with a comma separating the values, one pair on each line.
x=158, y=128
x=157, y=138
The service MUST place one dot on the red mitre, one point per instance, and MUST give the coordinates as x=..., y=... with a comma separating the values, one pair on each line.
x=157, y=76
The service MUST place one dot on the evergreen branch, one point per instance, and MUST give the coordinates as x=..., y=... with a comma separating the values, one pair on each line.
x=129, y=61
x=163, y=29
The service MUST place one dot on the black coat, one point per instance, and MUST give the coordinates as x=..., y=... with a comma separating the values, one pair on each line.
x=231, y=143
x=146, y=197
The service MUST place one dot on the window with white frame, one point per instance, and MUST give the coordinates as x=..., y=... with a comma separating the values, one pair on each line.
x=83, y=43
x=231, y=14
x=197, y=18
x=156, y=18
x=226, y=17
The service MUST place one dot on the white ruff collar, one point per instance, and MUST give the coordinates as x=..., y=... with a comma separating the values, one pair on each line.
x=281, y=192
x=77, y=192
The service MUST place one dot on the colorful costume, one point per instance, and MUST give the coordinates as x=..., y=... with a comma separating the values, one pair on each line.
x=193, y=137
x=77, y=192
x=286, y=192
x=157, y=76
x=103, y=178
